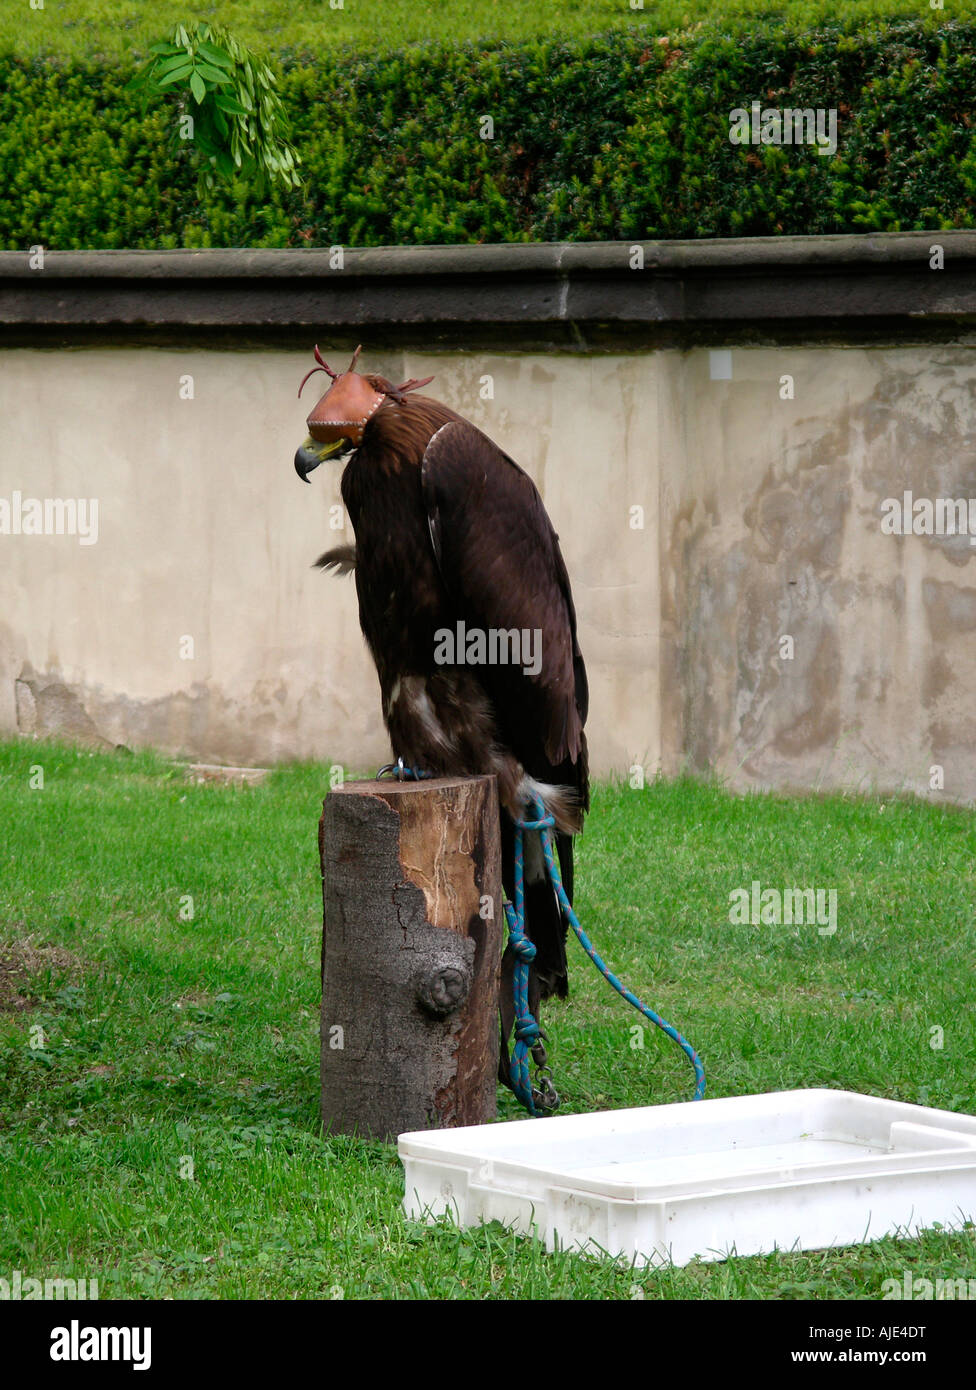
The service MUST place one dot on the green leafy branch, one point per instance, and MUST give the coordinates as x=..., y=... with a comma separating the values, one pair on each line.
x=239, y=122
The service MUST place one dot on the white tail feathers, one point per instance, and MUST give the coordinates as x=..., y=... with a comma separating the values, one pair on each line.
x=562, y=803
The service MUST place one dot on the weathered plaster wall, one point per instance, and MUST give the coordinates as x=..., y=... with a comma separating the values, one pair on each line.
x=761, y=519
x=771, y=527
x=206, y=532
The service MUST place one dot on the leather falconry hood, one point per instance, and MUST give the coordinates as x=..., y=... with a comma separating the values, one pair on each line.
x=346, y=408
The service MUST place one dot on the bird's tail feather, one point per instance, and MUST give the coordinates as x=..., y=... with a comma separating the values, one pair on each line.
x=340, y=560
x=561, y=802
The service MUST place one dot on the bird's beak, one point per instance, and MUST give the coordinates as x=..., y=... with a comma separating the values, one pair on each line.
x=312, y=453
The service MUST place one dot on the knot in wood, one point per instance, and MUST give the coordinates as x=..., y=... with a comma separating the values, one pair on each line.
x=443, y=991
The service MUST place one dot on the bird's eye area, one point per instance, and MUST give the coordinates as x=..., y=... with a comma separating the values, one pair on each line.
x=325, y=449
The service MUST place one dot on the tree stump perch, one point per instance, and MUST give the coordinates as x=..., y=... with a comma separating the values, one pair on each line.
x=411, y=950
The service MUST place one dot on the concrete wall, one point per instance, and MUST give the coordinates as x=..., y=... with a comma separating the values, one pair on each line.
x=761, y=519
x=206, y=532
x=770, y=519
x=758, y=622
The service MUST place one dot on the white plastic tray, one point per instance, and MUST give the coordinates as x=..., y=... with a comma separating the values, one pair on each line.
x=745, y=1175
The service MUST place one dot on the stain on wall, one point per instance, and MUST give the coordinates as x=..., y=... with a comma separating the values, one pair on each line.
x=774, y=532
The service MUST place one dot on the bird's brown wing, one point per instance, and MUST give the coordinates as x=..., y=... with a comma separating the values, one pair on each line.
x=500, y=562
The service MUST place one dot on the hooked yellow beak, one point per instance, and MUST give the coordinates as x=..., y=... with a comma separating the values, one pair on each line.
x=313, y=452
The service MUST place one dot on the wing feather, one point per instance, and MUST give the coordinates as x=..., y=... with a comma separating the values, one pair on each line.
x=501, y=566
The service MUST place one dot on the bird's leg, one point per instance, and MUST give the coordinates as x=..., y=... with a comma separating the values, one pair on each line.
x=402, y=772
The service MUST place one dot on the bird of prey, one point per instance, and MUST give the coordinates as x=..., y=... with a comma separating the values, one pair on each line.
x=453, y=542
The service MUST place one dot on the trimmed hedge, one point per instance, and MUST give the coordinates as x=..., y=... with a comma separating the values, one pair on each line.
x=610, y=137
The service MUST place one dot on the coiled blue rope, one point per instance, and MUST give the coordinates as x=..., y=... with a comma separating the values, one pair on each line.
x=528, y=1034
x=527, y=1030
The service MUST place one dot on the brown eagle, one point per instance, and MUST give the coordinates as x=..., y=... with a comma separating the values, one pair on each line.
x=458, y=569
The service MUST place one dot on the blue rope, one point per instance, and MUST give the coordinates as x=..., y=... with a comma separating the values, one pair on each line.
x=526, y=1028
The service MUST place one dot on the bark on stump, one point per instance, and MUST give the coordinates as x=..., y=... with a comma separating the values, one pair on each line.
x=410, y=966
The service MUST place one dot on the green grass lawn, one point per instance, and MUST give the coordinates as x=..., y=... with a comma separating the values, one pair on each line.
x=120, y=28
x=170, y=1044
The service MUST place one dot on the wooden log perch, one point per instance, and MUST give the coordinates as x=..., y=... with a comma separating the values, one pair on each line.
x=410, y=960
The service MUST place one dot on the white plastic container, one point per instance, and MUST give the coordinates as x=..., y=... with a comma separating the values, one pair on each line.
x=745, y=1175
